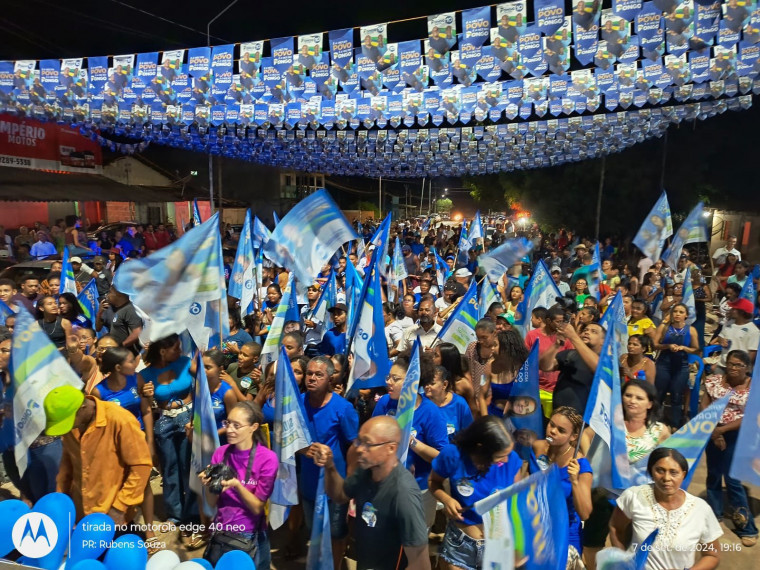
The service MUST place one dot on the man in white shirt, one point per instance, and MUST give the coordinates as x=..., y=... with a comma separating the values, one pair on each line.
x=561, y=285
x=426, y=327
x=645, y=264
x=719, y=257
x=742, y=334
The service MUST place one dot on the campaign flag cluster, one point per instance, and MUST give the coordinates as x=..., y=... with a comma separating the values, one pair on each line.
x=36, y=368
x=176, y=284
x=308, y=235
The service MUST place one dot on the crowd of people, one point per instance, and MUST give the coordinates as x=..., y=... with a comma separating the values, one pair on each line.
x=136, y=405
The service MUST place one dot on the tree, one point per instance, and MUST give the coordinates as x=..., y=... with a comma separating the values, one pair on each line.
x=443, y=205
x=497, y=191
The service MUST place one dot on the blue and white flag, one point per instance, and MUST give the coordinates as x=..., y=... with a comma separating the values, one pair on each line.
x=538, y=513
x=205, y=433
x=380, y=241
x=355, y=290
x=498, y=261
x=524, y=411
x=442, y=270
x=175, y=284
x=286, y=311
x=657, y=227
x=407, y=401
x=541, y=291
x=88, y=301
x=692, y=229
x=425, y=225
x=196, y=214
x=690, y=440
x=476, y=230
x=615, y=322
x=746, y=463
x=68, y=283
x=36, y=368
x=594, y=276
x=397, y=272
x=368, y=346
x=489, y=294
x=612, y=558
x=688, y=298
x=464, y=247
x=261, y=234
x=749, y=291
x=242, y=271
x=291, y=433
x=459, y=328
x=604, y=414
x=306, y=238
x=5, y=312
x=319, y=556
x=276, y=218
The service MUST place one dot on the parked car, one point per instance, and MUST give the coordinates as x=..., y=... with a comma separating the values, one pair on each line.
x=39, y=268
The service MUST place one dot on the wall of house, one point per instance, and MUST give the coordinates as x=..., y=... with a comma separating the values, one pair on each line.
x=744, y=225
x=15, y=214
x=128, y=170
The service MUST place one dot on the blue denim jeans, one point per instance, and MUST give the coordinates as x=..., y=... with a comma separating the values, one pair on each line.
x=718, y=466
x=672, y=376
x=461, y=550
x=41, y=470
x=173, y=449
x=262, y=558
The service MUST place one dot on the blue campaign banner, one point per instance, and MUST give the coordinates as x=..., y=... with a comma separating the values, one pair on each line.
x=615, y=321
x=314, y=229
x=627, y=9
x=746, y=462
x=242, y=271
x=407, y=402
x=341, y=46
x=524, y=409
x=98, y=69
x=282, y=52
x=410, y=60
x=586, y=43
x=541, y=291
x=530, y=46
x=586, y=14
x=476, y=25
x=88, y=301
x=498, y=261
x=319, y=556
x=221, y=65
x=146, y=68
x=459, y=328
x=198, y=61
x=656, y=228
x=538, y=513
x=549, y=15
x=693, y=225
x=205, y=434
x=50, y=70
x=442, y=31
x=68, y=284
x=707, y=20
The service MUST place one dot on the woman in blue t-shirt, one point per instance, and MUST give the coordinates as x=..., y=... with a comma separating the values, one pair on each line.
x=480, y=462
x=558, y=448
x=454, y=407
x=121, y=386
x=222, y=395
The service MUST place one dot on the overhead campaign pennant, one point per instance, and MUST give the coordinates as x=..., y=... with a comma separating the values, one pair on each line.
x=36, y=368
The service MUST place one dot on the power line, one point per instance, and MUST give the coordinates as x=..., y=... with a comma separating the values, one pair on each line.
x=167, y=20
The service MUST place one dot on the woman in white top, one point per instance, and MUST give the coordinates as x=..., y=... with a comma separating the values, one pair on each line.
x=686, y=523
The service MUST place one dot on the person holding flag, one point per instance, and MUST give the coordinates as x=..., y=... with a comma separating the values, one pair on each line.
x=333, y=422
x=722, y=445
x=686, y=523
x=428, y=433
x=240, y=516
x=479, y=462
x=562, y=436
x=390, y=527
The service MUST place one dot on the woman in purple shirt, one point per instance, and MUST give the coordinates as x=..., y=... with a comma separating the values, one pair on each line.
x=240, y=522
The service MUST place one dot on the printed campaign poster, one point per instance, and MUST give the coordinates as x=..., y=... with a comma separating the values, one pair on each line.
x=677, y=67
x=512, y=18
x=549, y=15
x=249, y=64
x=442, y=31
x=736, y=13
x=476, y=25
x=374, y=41
x=586, y=13
x=616, y=32
x=679, y=27
x=310, y=50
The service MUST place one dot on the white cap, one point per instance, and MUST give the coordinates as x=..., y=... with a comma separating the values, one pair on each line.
x=463, y=272
x=75, y=259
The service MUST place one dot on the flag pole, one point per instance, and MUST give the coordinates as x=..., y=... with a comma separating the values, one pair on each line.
x=580, y=435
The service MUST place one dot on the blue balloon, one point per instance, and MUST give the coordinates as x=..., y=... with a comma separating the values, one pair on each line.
x=89, y=565
x=235, y=560
x=10, y=511
x=127, y=551
x=203, y=562
x=60, y=508
x=96, y=527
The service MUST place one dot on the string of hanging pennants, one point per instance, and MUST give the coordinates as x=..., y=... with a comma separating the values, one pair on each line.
x=344, y=102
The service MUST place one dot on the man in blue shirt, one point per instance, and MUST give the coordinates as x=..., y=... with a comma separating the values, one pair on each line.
x=333, y=422
x=334, y=341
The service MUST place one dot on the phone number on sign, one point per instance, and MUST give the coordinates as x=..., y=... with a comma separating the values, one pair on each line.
x=15, y=161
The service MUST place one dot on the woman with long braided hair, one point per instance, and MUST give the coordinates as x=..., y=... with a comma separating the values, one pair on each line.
x=559, y=448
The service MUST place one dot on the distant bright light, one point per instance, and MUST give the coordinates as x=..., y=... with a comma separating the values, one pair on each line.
x=457, y=217
x=706, y=214
x=522, y=221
